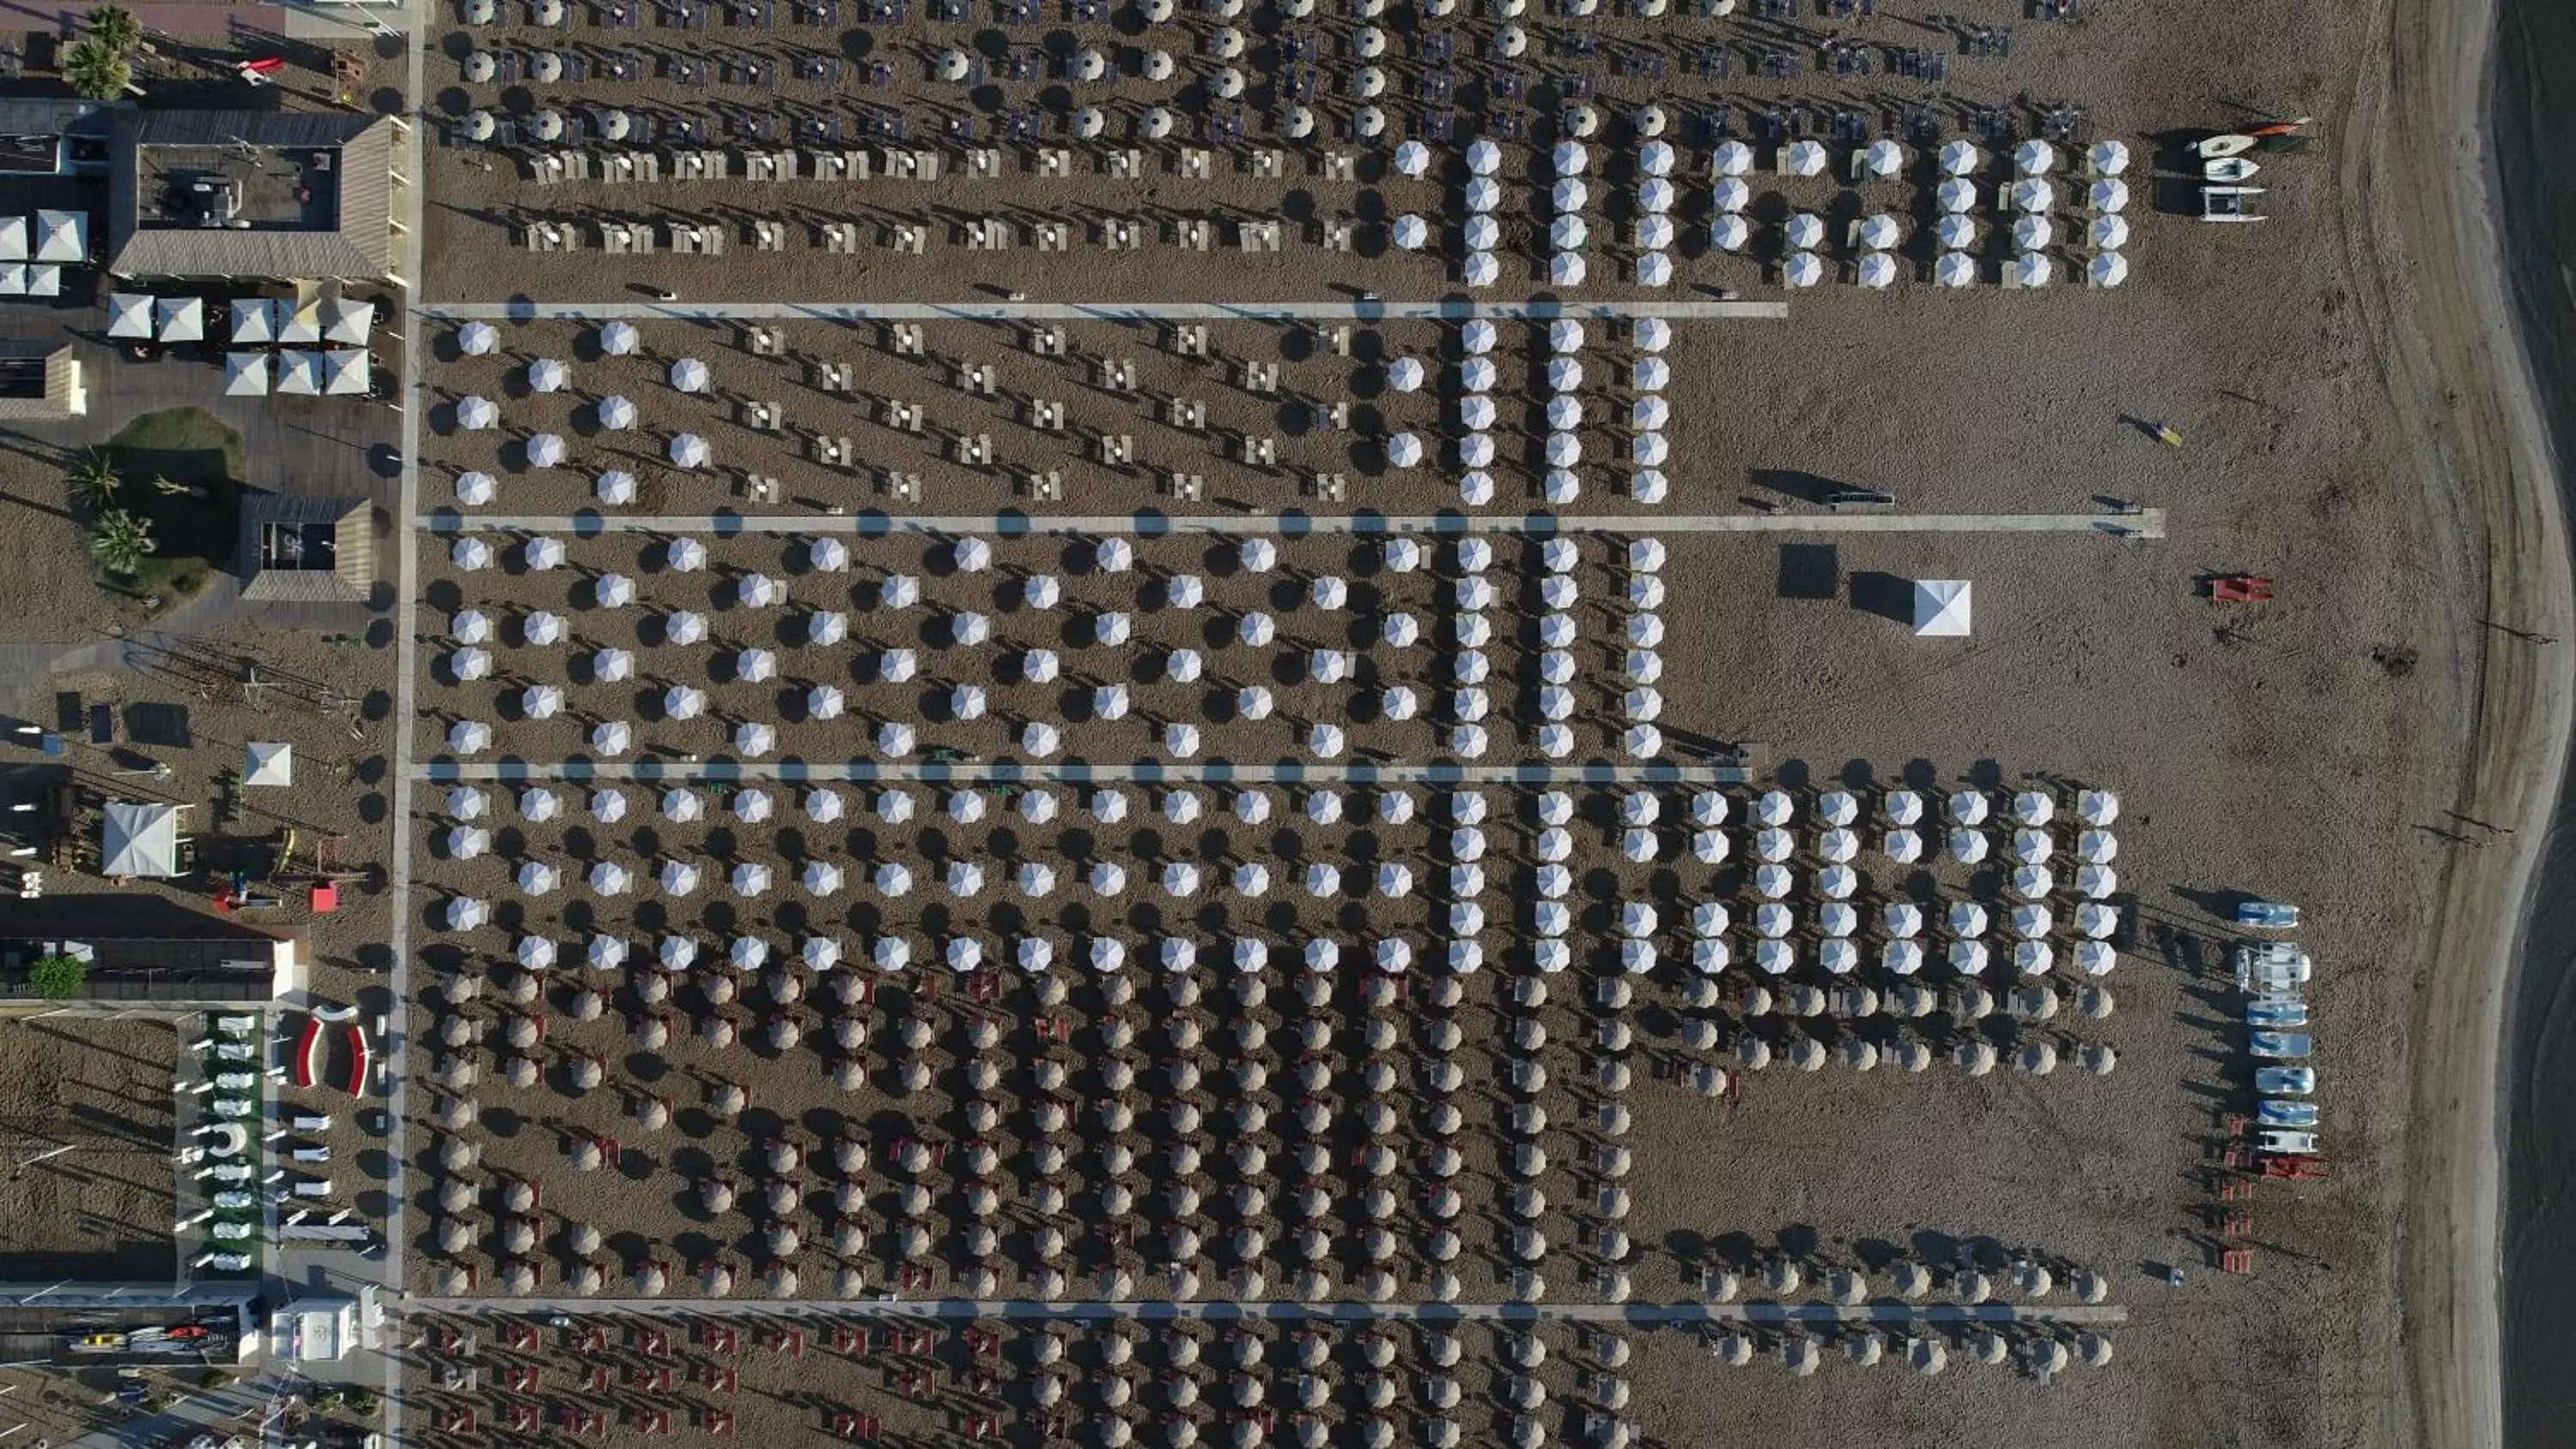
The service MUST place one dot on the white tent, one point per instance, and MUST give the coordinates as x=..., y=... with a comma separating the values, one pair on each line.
x=62, y=236
x=1941, y=607
x=352, y=323
x=345, y=374
x=245, y=374
x=129, y=314
x=268, y=763
x=139, y=840
x=300, y=373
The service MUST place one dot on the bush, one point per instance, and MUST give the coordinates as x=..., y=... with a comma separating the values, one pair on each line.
x=58, y=978
x=120, y=542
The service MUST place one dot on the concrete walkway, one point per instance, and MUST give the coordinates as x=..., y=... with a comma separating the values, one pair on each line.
x=1354, y=310
x=1073, y=772
x=1643, y=1315
x=2146, y=523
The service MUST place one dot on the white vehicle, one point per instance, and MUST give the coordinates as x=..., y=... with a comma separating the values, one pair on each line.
x=2272, y=967
x=2285, y=1081
x=2287, y=1144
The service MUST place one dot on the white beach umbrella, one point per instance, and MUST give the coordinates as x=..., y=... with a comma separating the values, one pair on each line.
x=1955, y=195
x=615, y=487
x=1481, y=269
x=1566, y=269
x=2034, y=269
x=1954, y=269
x=1803, y=158
x=1654, y=269
x=2109, y=269
x=1730, y=232
x=1802, y=269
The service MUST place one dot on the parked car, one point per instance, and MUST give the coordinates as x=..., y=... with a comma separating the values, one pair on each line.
x=2286, y=1143
x=2285, y=1081
x=2267, y=916
x=2276, y=1011
x=2277, y=1113
x=2272, y=966
x=2284, y=1045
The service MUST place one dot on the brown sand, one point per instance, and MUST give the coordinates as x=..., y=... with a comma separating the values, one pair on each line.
x=101, y=1211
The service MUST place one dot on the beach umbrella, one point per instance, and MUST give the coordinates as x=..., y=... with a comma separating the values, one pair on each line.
x=2109, y=269
x=2108, y=158
x=1730, y=197
x=1883, y=159
x=548, y=375
x=476, y=489
x=688, y=450
x=1955, y=195
x=1478, y=337
x=1802, y=269
x=1955, y=231
x=474, y=339
x=1410, y=232
x=1569, y=193
x=1565, y=269
x=1656, y=195
x=2108, y=233
x=754, y=738
x=1729, y=232
x=1484, y=158
x=1803, y=158
x=1568, y=232
x=1731, y=158
x=2033, y=195
x=1480, y=269
x=2032, y=233
x=1404, y=450
x=468, y=737
x=1655, y=233
x=615, y=486
x=690, y=375
x=1954, y=269
x=2033, y=269
x=1806, y=231
x=1654, y=269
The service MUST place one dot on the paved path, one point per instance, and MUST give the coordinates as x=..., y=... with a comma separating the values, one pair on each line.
x=1078, y=772
x=2147, y=523
x=420, y=23
x=1000, y=311
x=1644, y=1315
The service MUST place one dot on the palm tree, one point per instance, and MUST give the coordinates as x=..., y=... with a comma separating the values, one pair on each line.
x=116, y=28
x=94, y=479
x=120, y=542
x=97, y=70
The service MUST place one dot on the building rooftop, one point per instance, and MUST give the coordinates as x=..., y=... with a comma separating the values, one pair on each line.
x=251, y=194
x=299, y=549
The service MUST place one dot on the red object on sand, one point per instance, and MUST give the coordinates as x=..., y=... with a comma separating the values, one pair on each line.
x=2240, y=589
x=326, y=898
x=308, y=1052
x=268, y=66
x=357, y=1062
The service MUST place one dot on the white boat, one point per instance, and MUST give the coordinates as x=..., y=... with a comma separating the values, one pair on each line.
x=2231, y=144
x=2228, y=169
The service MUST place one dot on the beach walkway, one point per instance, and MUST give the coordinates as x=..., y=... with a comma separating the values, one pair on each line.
x=1638, y=1315
x=2145, y=523
x=1358, y=309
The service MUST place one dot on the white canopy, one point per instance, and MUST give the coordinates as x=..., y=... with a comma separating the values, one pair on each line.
x=129, y=314
x=139, y=840
x=1941, y=607
x=246, y=374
